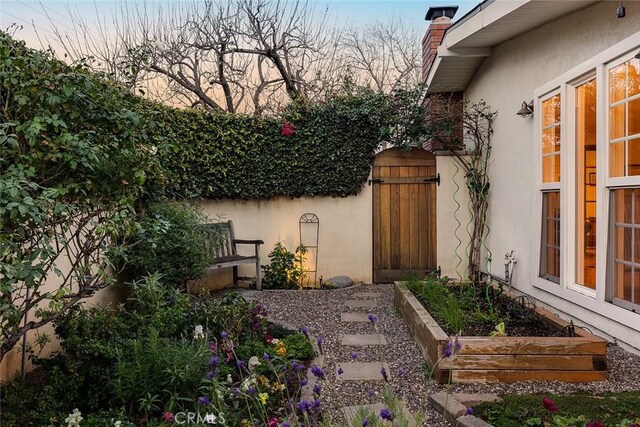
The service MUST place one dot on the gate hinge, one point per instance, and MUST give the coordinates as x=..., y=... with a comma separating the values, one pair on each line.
x=435, y=179
x=376, y=181
x=439, y=272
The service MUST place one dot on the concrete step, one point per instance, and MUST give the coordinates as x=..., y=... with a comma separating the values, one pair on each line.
x=354, y=317
x=364, y=339
x=362, y=371
x=361, y=303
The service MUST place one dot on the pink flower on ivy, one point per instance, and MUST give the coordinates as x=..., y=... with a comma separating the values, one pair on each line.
x=549, y=405
x=288, y=129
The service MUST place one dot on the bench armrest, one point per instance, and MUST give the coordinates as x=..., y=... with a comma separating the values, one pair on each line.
x=248, y=242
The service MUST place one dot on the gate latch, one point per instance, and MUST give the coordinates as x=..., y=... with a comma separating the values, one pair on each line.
x=376, y=181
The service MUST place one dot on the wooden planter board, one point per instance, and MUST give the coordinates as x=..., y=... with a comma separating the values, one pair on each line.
x=504, y=359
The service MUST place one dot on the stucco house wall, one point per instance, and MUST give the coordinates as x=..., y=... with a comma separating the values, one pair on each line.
x=510, y=75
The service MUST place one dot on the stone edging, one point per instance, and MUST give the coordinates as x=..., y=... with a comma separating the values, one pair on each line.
x=453, y=406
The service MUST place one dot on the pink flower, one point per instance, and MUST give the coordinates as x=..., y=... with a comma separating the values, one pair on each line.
x=288, y=129
x=596, y=424
x=549, y=405
x=168, y=417
x=273, y=422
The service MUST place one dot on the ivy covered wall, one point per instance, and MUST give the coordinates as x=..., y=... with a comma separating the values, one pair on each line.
x=313, y=150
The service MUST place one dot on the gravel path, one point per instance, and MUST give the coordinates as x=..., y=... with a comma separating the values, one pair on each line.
x=320, y=312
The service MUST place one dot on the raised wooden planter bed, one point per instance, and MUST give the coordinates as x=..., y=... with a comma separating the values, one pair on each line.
x=504, y=359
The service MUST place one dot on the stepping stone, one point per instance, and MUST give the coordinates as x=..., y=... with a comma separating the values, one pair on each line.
x=367, y=295
x=351, y=412
x=368, y=339
x=362, y=371
x=360, y=303
x=354, y=317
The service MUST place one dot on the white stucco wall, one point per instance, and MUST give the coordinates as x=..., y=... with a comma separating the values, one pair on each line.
x=345, y=231
x=453, y=218
x=508, y=77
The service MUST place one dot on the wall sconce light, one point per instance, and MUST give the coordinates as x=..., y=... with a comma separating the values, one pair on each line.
x=526, y=109
x=638, y=55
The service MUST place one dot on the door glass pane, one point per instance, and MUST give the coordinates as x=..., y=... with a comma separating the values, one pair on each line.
x=634, y=117
x=616, y=121
x=625, y=245
x=550, y=259
x=551, y=168
x=586, y=184
x=616, y=159
x=633, y=78
x=617, y=84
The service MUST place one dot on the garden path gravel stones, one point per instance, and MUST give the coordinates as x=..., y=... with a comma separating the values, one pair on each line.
x=323, y=313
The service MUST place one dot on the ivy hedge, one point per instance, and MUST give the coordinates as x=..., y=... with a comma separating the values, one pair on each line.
x=313, y=150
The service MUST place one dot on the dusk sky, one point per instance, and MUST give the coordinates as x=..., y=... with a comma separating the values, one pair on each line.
x=30, y=13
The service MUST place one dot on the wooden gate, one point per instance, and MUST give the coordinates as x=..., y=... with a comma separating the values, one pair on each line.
x=404, y=214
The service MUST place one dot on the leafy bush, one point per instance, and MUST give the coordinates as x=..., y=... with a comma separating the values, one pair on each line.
x=153, y=373
x=285, y=269
x=299, y=347
x=171, y=241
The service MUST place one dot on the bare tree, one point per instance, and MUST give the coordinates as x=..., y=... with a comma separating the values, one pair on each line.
x=239, y=55
x=385, y=55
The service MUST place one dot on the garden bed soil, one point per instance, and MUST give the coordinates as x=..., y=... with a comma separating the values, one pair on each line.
x=522, y=321
x=507, y=358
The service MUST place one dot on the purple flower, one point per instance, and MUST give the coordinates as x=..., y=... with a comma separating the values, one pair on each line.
x=470, y=410
x=384, y=374
x=401, y=372
x=448, y=350
x=224, y=334
x=235, y=391
x=365, y=423
x=213, y=346
x=373, y=318
x=317, y=371
x=354, y=355
x=386, y=414
x=319, y=340
x=340, y=370
x=211, y=375
x=316, y=389
x=295, y=365
x=240, y=363
x=371, y=392
x=252, y=390
x=214, y=361
x=458, y=345
x=304, y=382
x=305, y=405
x=286, y=424
x=305, y=331
x=266, y=356
x=204, y=400
x=316, y=404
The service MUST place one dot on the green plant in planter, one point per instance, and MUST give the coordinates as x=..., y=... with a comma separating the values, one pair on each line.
x=285, y=270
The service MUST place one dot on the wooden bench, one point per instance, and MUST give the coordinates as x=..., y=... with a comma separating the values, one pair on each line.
x=226, y=254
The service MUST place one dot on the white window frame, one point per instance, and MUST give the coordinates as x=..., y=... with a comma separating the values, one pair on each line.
x=565, y=84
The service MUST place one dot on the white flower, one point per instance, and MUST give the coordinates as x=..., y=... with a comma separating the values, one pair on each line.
x=220, y=395
x=118, y=424
x=153, y=150
x=229, y=378
x=74, y=418
x=253, y=363
x=275, y=341
x=198, y=332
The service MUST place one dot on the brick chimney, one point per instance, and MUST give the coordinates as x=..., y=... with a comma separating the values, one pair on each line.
x=440, y=18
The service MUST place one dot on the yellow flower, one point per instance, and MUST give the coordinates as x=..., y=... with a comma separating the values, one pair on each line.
x=263, y=398
x=263, y=380
x=276, y=387
x=245, y=423
x=281, y=349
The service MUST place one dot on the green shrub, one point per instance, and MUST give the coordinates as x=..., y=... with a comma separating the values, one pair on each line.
x=285, y=269
x=152, y=305
x=299, y=347
x=154, y=373
x=31, y=403
x=171, y=241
